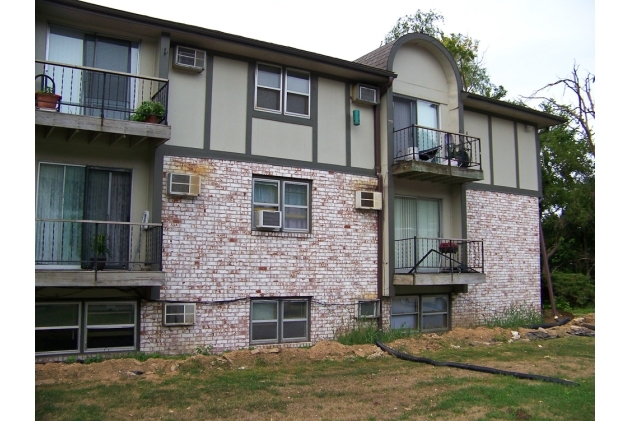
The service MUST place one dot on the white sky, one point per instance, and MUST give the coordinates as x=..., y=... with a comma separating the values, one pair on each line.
x=527, y=44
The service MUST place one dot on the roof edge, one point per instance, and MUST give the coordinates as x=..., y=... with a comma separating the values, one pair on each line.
x=223, y=36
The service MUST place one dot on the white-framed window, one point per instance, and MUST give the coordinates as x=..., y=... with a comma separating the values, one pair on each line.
x=279, y=320
x=110, y=326
x=85, y=326
x=368, y=309
x=290, y=197
x=283, y=91
x=57, y=328
x=178, y=314
x=429, y=312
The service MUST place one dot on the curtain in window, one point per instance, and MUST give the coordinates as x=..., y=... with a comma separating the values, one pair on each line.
x=60, y=196
x=265, y=193
x=65, y=45
x=404, y=231
x=108, y=198
x=420, y=218
x=427, y=116
x=296, y=206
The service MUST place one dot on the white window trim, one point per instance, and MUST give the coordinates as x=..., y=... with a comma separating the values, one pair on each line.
x=279, y=321
x=257, y=86
x=308, y=94
x=189, y=309
x=280, y=205
x=283, y=91
x=87, y=327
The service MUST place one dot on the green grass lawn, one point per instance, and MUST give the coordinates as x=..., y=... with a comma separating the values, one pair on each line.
x=355, y=388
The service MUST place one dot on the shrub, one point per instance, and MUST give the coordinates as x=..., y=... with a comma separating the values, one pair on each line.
x=577, y=289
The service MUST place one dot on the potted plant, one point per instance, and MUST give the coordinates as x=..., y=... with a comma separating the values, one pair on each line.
x=448, y=247
x=149, y=112
x=47, y=98
x=100, y=250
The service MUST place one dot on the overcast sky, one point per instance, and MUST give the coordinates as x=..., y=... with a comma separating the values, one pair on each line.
x=526, y=44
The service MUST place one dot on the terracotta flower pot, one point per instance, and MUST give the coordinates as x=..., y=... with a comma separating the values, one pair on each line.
x=47, y=101
x=152, y=119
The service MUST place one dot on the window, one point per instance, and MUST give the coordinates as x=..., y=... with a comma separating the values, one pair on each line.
x=110, y=325
x=57, y=328
x=368, y=309
x=404, y=313
x=290, y=198
x=433, y=314
x=282, y=91
x=282, y=320
x=176, y=314
x=74, y=327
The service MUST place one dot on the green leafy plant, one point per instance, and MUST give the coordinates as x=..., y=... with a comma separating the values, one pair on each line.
x=148, y=108
x=99, y=245
x=46, y=90
x=204, y=350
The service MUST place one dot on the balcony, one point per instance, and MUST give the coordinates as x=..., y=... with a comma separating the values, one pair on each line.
x=81, y=253
x=438, y=261
x=99, y=106
x=425, y=154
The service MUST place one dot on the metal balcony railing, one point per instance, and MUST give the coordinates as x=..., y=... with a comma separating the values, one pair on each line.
x=418, y=143
x=442, y=255
x=100, y=93
x=97, y=245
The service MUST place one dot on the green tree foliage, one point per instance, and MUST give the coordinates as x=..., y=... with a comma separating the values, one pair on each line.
x=568, y=205
x=464, y=49
x=568, y=208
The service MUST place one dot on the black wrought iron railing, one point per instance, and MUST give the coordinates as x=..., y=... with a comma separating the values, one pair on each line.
x=443, y=255
x=97, y=245
x=101, y=93
x=418, y=143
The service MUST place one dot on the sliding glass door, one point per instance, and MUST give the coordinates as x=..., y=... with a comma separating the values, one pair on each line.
x=86, y=91
x=420, y=218
x=71, y=193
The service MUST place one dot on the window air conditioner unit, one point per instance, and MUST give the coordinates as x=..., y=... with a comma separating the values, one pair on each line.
x=183, y=184
x=268, y=219
x=365, y=94
x=189, y=59
x=178, y=314
x=368, y=309
x=368, y=200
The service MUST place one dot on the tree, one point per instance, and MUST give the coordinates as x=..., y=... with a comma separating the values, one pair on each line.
x=568, y=177
x=583, y=112
x=464, y=49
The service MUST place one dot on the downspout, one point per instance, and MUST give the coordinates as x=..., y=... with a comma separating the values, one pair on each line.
x=377, y=139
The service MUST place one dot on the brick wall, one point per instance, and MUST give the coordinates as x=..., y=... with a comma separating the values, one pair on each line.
x=509, y=226
x=212, y=256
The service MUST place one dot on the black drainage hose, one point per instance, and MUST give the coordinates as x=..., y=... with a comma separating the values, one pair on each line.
x=552, y=324
x=472, y=367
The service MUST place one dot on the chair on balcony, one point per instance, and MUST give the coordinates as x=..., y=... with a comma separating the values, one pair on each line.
x=429, y=154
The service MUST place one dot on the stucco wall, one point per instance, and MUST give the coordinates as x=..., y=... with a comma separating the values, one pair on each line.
x=213, y=257
x=508, y=225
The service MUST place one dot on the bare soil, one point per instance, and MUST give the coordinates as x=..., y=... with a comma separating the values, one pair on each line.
x=116, y=370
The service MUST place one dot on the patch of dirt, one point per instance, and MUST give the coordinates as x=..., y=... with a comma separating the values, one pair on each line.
x=153, y=369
